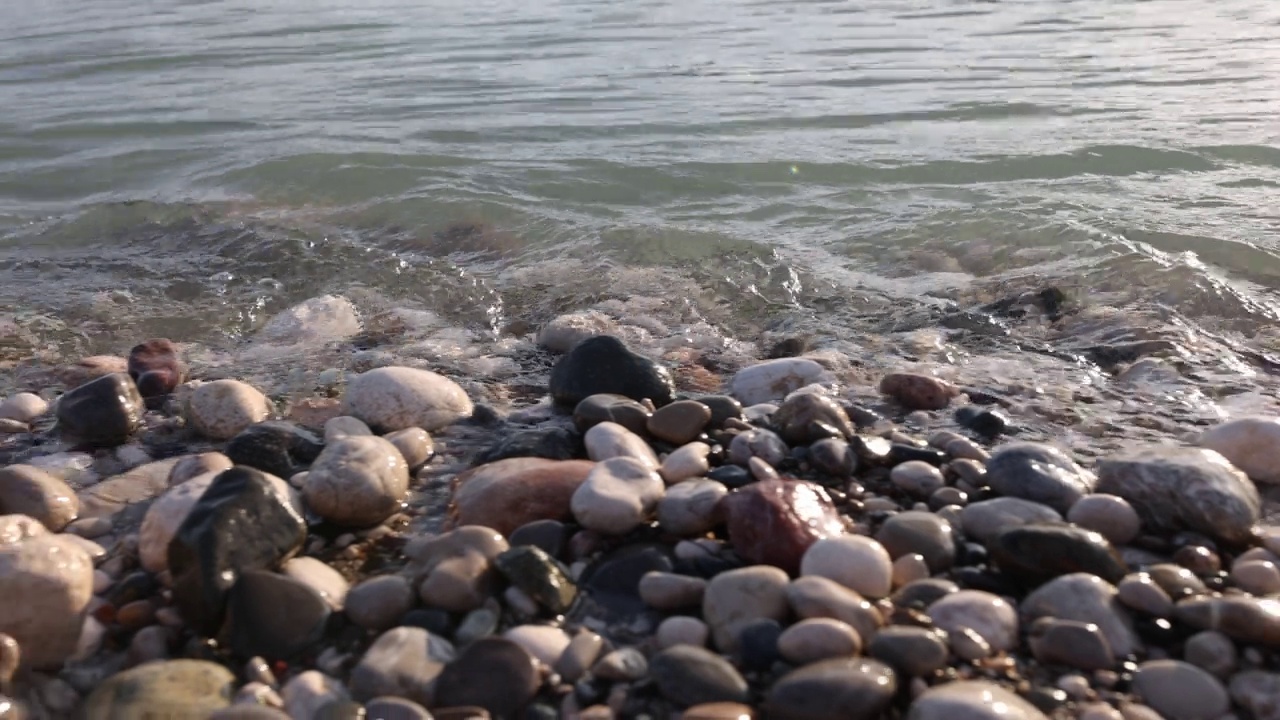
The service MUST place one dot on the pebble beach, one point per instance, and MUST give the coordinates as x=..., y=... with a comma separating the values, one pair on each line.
x=604, y=514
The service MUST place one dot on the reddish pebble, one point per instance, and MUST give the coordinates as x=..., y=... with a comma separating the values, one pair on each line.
x=918, y=392
x=156, y=367
x=773, y=522
x=136, y=614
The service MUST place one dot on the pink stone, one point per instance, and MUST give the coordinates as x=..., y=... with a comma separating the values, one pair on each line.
x=506, y=494
x=773, y=522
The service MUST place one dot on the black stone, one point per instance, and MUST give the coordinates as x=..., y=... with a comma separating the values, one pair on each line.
x=276, y=447
x=732, y=476
x=968, y=553
x=972, y=578
x=610, y=407
x=603, y=364
x=923, y=593
x=689, y=675
x=1038, y=552
x=758, y=644
x=274, y=616
x=493, y=673
x=988, y=423
x=239, y=524
x=806, y=418
x=101, y=413
x=434, y=621
x=901, y=452
x=722, y=407
x=862, y=417
x=1159, y=631
x=619, y=572
x=552, y=536
x=538, y=576
x=551, y=443
x=134, y=586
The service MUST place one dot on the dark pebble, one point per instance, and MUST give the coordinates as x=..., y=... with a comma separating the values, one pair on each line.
x=913, y=651
x=1036, y=553
x=550, y=443
x=608, y=407
x=134, y=586
x=833, y=456
x=758, y=644
x=395, y=708
x=732, y=476
x=1159, y=631
x=920, y=594
x=539, y=576
x=619, y=572
x=863, y=417
x=433, y=620
x=1047, y=700
x=988, y=423
x=806, y=418
x=493, y=673
x=972, y=578
x=722, y=407
x=900, y=453
x=837, y=689
x=688, y=675
x=274, y=616
x=101, y=413
x=552, y=536
x=603, y=364
x=156, y=368
x=276, y=447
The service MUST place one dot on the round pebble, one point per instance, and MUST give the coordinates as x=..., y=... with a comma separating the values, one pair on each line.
x=1180, y=690
x=357, y=481
x=984, y=613
x=917, y=477
x=972, y=700
x=395, y=398
x=922, y=533
x=1212, y=652
x=377, y=603
x=668, y=591
x=682, y=630
x=818, y=639
x=618, y=495
x=1139, y=592
x=856, y=562
x=738, y=597
x=909, y=568
x=690, y=508
x=1108, y=515
x=222, y=409
x=686, y=462
x=1256, y=577
x=915, y=651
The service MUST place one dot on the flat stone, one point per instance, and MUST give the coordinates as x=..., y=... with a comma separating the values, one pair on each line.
x=165, y=516
x=668, y=591
x=608, y=440
x=1240, y=617
x=920, y=533
x=984, y=520
x=679, y=422
x=737, y=597
x=581, y=653
x=1074, y=644
x=456, y=570
x=984, y=613
x=1089, y=599
x=493, y=673
x=222, y=409
x=37, y=564
x=102, y=412
x=838, y=689
x=805, y=418
x=395, y=398
x=357, y=481
x=174, y=688
x=686, y=462
x=274, y=616
x=23, y=407
x=1180, y=690
x=819, y=597
x=691, y=507
x=603, y=364
x=379, y=602
x=688, y=675
x=156, y=367
x=972, y=700
x=1175, y=488
x=327, y=582
x=817, y=639
x=276, y=447
x=30, y=491
x=404, y=662
x=775, y=522
x=608, y=407
x=918, y=392
x=859, y=563
x=1108, y=515
x=1039, y=473
x=912, y=651
x=507, y=494
x=776, y=379
x=1251, y=444
x=1038, y=552
x=539, y=577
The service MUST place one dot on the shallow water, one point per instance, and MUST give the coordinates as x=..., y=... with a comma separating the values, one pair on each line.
x=858, y=172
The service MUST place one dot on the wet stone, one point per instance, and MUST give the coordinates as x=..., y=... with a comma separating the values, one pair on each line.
x=859, y=563
x=833, y=457
x=737, y=597
x=1110, y=516
x=1074, y=644
x=912, y=651
x=1085, y=598
x=687, y=461
x=1139, y=592
x=691, y=507
x=1252, y=444
x=774, y=522
x=1036, y=553
x=156, y=367
x=493, y=673
x=760, y=443
x=544, y=642
x=731, y=476
x=986, y=614
x=606, y=407
x=37, y=564
x=618, y=495
x=1039, y=473
x=818, y=639
x=404, y=662
x=920, y=479
x=30, y=491
x=719, y=711
x=985, y=422
x=921, y=533
x=539, y=576
x=101, y=413
x=918, y=392
x=838, y=689
x=415, y=446
x=357, y=481
x=379, y=602
x=607, y=441
x=806, y=418
x=456, y=569
x=817, y=597
x=221, y=409
x=775, y=379
x=276, y=447
x=900, y=453
x=550, y=536
x=23, y=407
x=578, y=657
x=274, y=616
x=722, y=407
x=1243, y=618
x=551, y=443
x=1176, y=581
x=986, y=519
x=680, y=422
x=688, y=675
x=972, y=700
x=923, y=593
x=395, y=398
x=603, y=364
x=667, y=591
x=507, y=494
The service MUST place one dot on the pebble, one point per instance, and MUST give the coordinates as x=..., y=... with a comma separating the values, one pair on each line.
x=757, y=443
x=456, y=569
x=37, y=564
x=327, y=582
x=818, y=639
x=737, y=597
x=1180, y=691
x=1175, y=488
x=1212, y=652
x=222, y=409
x=837, y=689
x=623, y=664
x=1038, y=552
x=358, y=481
x=690, y=508
x=984, y=520
x=607, y=407
x=1039, y=473
x=1176, y=581
x=972, y=700
x=616, y=575
x=918, y=392
x=404, y=662
x=618, y=495
x=986, y=614
x=306, y=694
x=241, y=522
x=552, y=443
x=913, y=651
x=806, y=417
x=30, y=491
x=668, y=591
x=23, y=407
x=919, y=533
x=988, y=423
x=493, y=673
x=1198, y=559
x=274, y=616
x=774, y=522
x=1139, y=592
x=1256, y=577
x=395, y=708
x=101, y=413
x=395, y=398
x=859, y=563
x=156, y=367
x=818, y=597
x=538, y=577
x=176, y=688
x=688, y=675
x=682, y=630
x=719, y=711
x=1258, y=692
x=775, y=379
x=193, y=466
x=833, y=457
x=1241, y=617
x=908, y=569
x=608, y=440
x=507, y=494
x=163, y=519
x=680, y=422
x=603, y=364
x=1085, y=598
x=1108, y=515
x=686, y=462
x=343, y=426
x=1252, y=444
x=565, y=331
x=917, y=477
x=544, y=642
x=1075, y=644
x=579, y=655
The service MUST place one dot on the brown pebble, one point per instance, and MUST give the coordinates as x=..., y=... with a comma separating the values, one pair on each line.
x=679, y=422
x=1198, y=559
x=918, y=392
x=157, y=368
x=597, y=712
x=136, y=614
x=719, y=711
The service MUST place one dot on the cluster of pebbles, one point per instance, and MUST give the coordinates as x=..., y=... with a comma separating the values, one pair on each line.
x=631, y=548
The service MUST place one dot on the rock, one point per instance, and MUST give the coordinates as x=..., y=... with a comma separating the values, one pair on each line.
x=357, y=482
x=909, y=568
x=1180, y=690
x=395, y=398
x=774, y=522
x=807, y=417
x=688, y=675
x=493, y=673
x=307, y=693
x=318, y=576
x=618, y=495
x=912, y=651
x=918, y=478
x=102, y=412
x=23, y=407
x=1251, y=444
x=404, y=662
x=1074, y=644
x=818, y=597
x=608, y=407
x=667, y=591
x=622, y=664
x=987, y=423
x=25, y=490
x=986, y=614
x=757, y=649
x=192, y=466
x=1258, y=692
x=1108, y=515
x=395, y=708
x=1037, y=553
x=156, y=368
x=859, y=563
x=240, y=523
x=507, y=494
x=276, y=447
x=1039, y=473
x=553, y=443
x=163, y=519
x=1176, y=581
x=582, y=652
x=818, y=639
x=550, y=536
x=921, y=533
x=1256, y=577
x=737, y=597
x=757, y=443
x=984, y=520
x=565, y=331
x=603, y=364
x=1212, y=652
x=918, y=392
x=691, y=507
x=223, y=409
x=775, y=379
x=1176, y=488
x=538, y=576
x=318, y=320
x=456, y=569
x=682, y=630
x=971, y=700
x=1240, y=617
x=35, y=564
x=614, y=579
x=680, y=422
x=344, y=425
x=686, y=462
x=379, y=602
x=838, y=689
x=833, y=457
x=1084, y=598
x=1140, y=592
x=608, y=440
x=545, y=643
x=274, y=616
x=174, y=688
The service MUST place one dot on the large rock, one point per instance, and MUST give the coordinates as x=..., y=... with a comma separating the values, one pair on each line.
x=163, y=519
x=1039, y=473
x=240, y=523
x=101, y=413
x=357, y=481
x=774, y=522
x=603, y=364
x=222, y=409
x=1175, y=488
x=506, y=494
x=157, y=368
x=619, y=495
x=808, y=417
x=25, y=490
x=1252, y=444
x=47, y=582
x=169, y=689
x=775, y=379
x=395, y=398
